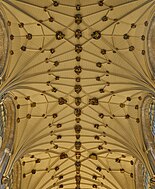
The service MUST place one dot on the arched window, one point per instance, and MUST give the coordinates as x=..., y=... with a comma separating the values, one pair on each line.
x=143, y=179
x=148, y=130
x=7, y=130
x=152, y=118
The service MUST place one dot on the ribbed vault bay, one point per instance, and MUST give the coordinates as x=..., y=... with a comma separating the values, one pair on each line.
x=78, y=73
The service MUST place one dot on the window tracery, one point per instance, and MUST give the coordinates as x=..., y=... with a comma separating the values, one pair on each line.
x=148, y=112
x=143, y=179
x=152, y=118
x=7, y=126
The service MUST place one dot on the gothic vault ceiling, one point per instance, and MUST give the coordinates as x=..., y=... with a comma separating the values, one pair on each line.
x=78, y=73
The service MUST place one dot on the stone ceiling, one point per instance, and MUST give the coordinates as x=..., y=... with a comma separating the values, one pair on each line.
x=78, y=73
